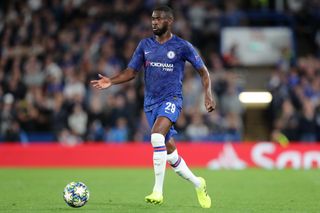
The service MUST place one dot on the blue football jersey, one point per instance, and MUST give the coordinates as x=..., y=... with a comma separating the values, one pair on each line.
x=164, y=67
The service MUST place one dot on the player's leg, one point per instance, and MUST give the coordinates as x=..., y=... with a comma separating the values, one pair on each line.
x=180, y=167
x=160, y=128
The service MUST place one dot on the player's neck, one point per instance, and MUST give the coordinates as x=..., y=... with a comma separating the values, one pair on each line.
x=164, y=37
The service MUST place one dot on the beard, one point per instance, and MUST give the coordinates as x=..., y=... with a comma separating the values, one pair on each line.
x=160, y=31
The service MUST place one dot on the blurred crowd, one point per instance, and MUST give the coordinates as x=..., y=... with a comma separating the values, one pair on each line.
x=51, y=49
x=295, y=109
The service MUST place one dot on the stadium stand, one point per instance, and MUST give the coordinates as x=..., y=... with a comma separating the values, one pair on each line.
x=50, y=50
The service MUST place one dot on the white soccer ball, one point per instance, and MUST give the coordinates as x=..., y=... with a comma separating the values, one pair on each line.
x=76, y=194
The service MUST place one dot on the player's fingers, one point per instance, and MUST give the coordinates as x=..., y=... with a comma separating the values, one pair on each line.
x=97, y=86
x=208, y=105
x=210, y=108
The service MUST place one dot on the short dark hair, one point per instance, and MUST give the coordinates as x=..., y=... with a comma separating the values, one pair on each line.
x=164, y=8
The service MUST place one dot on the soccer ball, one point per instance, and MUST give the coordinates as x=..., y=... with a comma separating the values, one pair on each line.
x=76, y=194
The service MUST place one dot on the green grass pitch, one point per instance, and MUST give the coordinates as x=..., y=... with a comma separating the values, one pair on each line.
x=123, y=190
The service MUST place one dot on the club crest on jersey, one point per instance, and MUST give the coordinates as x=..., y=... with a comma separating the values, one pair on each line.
x=171, y=54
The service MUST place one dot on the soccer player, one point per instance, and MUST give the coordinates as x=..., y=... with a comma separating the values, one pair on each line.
x=163, y=57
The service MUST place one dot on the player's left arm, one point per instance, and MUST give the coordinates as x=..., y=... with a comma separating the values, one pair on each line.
x=194, y=58
x=209, y=100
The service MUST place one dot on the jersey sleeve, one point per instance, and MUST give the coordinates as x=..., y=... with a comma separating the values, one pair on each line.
x=137, y=59
x=192, y=56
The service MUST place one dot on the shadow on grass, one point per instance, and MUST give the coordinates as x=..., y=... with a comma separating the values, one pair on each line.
x=116, y=207
x=140, y=207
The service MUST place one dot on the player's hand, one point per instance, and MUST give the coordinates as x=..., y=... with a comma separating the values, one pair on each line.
x=102, y=83
x=209, y=103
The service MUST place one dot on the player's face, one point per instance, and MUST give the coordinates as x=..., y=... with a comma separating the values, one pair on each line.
x=160, y=22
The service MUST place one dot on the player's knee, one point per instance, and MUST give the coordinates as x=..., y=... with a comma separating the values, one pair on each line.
x=157, y=140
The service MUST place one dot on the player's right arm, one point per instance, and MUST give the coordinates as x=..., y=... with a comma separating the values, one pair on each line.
x=105, y=82
x=128, y=74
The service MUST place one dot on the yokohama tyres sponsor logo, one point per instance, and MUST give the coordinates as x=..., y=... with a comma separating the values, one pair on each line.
x=165, y=66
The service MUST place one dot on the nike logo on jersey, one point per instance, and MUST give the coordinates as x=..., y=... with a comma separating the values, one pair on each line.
x=147, y=52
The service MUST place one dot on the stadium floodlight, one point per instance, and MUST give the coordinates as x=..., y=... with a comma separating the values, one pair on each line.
x=255, y=97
